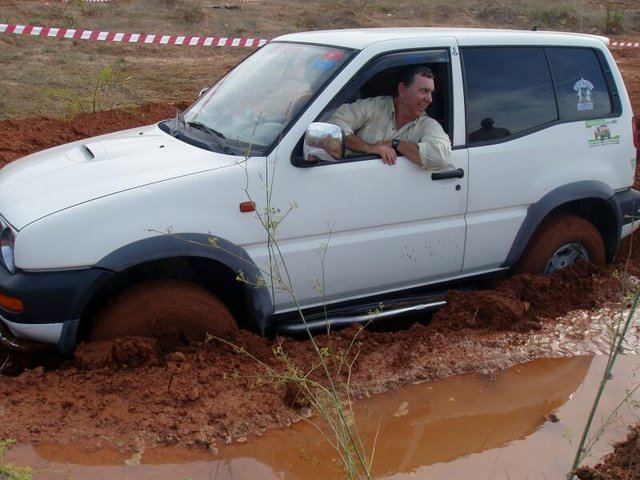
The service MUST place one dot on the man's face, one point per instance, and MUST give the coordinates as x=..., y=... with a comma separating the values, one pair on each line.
x=414, y=100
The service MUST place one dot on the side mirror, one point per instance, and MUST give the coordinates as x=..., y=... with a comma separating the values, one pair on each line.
x=323, y=141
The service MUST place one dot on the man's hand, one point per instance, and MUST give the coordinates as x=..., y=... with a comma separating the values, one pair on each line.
x=384, y=151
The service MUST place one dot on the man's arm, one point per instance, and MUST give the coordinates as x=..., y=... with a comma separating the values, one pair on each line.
x=434, y=146
x=382, y=149
x=411, y=151
x=351, y=117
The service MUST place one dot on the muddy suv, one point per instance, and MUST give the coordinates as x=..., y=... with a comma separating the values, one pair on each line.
x=222, y=217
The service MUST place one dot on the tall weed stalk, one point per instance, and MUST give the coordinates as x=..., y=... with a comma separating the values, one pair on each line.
x=618, y=334
x=326, y=385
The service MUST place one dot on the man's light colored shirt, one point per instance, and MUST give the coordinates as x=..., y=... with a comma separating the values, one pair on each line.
x=373, y=120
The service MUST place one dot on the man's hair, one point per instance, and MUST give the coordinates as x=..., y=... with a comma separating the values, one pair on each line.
x=408, y=75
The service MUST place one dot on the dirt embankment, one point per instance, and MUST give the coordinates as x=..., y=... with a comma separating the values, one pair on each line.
x=128, y=393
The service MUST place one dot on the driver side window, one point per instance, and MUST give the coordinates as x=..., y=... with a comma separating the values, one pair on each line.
x=380, y=78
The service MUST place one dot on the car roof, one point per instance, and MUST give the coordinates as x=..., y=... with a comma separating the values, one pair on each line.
x=361, y=38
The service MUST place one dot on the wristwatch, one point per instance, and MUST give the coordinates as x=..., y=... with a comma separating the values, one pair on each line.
x=394, y=145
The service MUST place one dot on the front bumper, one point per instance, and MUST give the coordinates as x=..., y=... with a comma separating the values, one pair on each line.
x=16, y=344
x=53, y=305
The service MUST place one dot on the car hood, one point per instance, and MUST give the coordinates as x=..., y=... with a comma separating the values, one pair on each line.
x=61, y=177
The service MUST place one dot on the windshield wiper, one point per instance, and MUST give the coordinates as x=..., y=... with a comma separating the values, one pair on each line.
x=217, y=136
x=206, y=128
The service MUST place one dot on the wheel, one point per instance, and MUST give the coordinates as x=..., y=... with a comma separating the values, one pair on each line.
x=171, y=310
x=559, y=242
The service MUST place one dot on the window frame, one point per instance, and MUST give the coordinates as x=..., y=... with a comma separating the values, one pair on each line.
x=389, y=62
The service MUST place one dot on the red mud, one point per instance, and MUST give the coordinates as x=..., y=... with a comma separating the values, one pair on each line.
x=128, y=394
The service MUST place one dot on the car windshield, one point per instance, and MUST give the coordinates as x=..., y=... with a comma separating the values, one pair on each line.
x=249, y=108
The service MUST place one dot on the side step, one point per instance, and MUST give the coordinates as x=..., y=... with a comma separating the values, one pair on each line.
x=369, y=313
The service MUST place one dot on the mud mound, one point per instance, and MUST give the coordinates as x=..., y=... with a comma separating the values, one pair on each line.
x=521, y=302
x=24, y=136
x=126, y=352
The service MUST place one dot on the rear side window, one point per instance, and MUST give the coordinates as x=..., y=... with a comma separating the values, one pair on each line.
x=508, y=90
x=512, y=90
x=580, y=84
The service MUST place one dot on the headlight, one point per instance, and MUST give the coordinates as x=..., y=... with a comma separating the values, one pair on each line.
x=7, y=237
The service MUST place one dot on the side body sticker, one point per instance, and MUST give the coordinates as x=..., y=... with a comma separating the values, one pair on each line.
x=602, y=132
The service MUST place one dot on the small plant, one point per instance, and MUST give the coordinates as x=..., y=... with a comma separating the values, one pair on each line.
x=78, y=102
x=71, y=98
x=613, y=21
x=9, y=471
x=324, y=387
x=103, y=81
x=189, y=12
x=552, y=16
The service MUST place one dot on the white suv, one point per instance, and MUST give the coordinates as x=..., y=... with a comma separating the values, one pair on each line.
x=154, y=230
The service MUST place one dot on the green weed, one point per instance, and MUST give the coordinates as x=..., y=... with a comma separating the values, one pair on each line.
x=80, y=100
x=9, y=471
x=103, y=82
x=70, y=97
x=618, y=331
x=613, y=21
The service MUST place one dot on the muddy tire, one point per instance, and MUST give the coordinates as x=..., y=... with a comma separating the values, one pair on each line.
x=173, y=311
x=559, y=242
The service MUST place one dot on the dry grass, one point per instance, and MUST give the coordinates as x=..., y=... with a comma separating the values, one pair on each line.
x=55, y=78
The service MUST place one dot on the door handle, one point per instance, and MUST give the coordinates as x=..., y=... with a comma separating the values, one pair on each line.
x=457, y=173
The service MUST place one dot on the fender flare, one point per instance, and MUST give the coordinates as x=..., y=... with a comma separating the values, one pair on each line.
x=538, y=211
x=200, y=245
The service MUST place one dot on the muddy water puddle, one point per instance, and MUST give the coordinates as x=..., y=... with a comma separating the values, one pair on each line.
x=520, y=423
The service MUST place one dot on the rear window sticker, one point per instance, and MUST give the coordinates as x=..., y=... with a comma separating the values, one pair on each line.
x=583, y=89
x=602, y=132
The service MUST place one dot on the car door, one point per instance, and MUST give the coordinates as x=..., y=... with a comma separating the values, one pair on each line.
x=360, y=227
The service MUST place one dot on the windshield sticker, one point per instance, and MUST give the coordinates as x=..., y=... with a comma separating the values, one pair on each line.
x=324, y=64
x=329, y=60
x=602, y=132
x=333, y=55
x=583, y=89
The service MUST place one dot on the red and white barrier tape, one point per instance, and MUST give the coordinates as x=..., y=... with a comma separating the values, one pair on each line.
x=625, y=44
x=72, y=33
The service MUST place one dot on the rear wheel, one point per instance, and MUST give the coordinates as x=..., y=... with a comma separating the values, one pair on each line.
x=171, y=310
x=559, y=242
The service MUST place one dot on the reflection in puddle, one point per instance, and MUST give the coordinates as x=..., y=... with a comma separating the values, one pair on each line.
x=516, y=425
